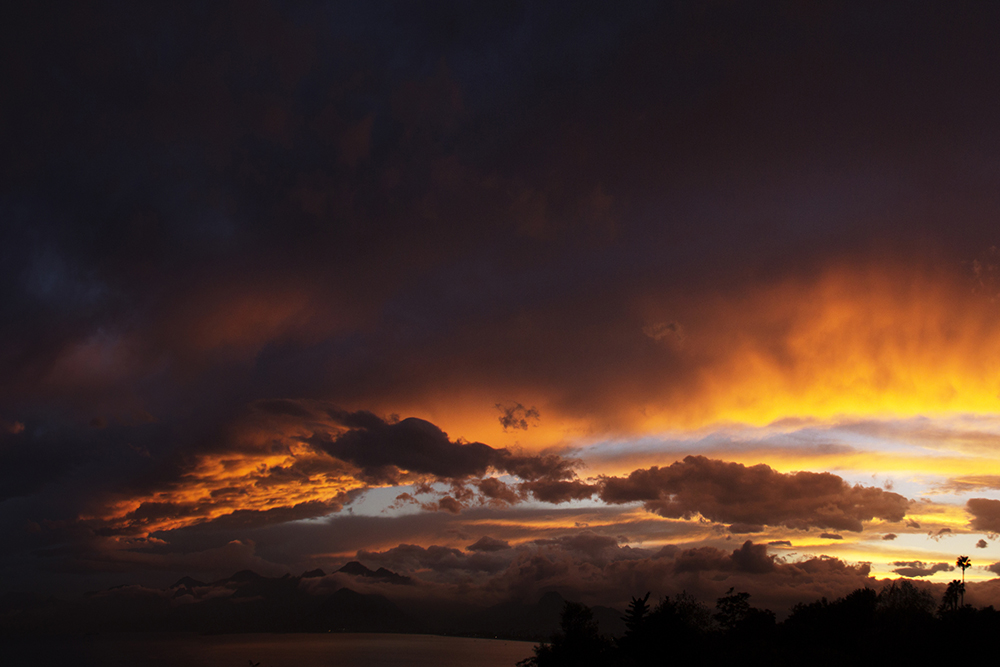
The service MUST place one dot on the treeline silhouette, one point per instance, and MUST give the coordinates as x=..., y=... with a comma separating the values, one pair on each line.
x=900, y=622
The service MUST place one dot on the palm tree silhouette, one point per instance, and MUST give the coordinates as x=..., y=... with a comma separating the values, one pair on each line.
x=952, y=594
x=964, y=563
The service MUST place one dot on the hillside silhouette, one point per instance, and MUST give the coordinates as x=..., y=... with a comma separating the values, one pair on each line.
x=312, y=602
x=243, y=602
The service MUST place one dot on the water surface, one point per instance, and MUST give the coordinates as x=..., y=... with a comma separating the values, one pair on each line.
x=274, y=650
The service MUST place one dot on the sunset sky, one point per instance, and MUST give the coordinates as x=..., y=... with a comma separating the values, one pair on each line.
x=506, y=297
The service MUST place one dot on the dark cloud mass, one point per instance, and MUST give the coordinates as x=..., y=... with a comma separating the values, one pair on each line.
x=755, y=495
x=381, y=449
x=597, y=568
x=259, y=262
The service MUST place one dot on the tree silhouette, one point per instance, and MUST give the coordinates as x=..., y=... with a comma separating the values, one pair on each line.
x=636, y=614
x=637, y=642
x=951, y=597
x=964, y=563
x=733, y=608
x=896, y=625
x=578, y=644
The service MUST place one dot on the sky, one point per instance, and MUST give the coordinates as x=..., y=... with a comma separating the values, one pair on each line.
x=506, y=297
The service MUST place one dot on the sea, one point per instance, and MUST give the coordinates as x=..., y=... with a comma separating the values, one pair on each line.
x=266, y=650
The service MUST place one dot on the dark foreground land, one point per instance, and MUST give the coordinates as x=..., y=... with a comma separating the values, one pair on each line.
x=900, y=624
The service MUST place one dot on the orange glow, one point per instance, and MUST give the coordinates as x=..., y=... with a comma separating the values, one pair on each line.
x=794, y=460
x=884, y=343
x=266, y=467
x=881, y=342
x=220, y=484
x=878, y=342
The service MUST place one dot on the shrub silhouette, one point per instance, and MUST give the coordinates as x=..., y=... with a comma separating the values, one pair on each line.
x=577, y=644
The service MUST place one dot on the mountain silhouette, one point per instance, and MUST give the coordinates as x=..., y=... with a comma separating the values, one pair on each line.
x=187, y=582
x=357, y=569
x=243, y=602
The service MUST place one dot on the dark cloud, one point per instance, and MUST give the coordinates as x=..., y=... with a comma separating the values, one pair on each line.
x=516, y=416
x=780, y=543
x=889, y=536
x=449, y=504
x=444, y=563
x=206, y=212
x=751, y=558
x=755, y=495
x=985, y=514
x=598, y=569
x=940, y=533
x=920, y=569
x=594, y=545
x=496, y=490
x=972, y=483
x=487, y=543
x=559, y=491
x=982, y=544
x=283, y=407
x=831, y=536
x=746, y=528
x=381, y=449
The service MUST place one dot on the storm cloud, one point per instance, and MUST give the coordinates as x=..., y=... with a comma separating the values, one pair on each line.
x=381, y=449
x=549, y=267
